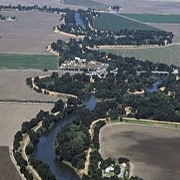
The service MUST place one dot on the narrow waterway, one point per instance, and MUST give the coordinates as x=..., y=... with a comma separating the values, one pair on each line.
x=79, y=21
x=46, y=153
x=154, y=87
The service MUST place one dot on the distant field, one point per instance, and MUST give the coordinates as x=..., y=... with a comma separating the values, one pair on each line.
x=113, y=22
x=87, y=3
x=18, y=61
x=169, y=55
x=155, y=18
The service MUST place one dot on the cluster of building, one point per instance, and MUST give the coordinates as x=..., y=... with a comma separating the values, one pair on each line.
x=82, y=65
x=115, y=9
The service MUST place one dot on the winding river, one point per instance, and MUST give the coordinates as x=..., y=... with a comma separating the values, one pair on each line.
x=46, y=153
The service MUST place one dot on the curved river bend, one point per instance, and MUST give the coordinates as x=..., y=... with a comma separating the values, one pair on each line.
x=46, y=153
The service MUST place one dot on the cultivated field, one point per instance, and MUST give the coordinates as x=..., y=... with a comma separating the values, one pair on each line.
x=13, y=114
x=153, y=151
x=155, y=18
x=22, y=61
x=86, y=3
x=146, y=6
x=13, y=86
x=169, y=54
x=7, y=168
x=30, y=34
x=113, y=22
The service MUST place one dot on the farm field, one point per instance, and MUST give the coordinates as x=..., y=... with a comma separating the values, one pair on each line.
x=87, y=3
x=146, y=6
x=13, y=86
x=20, y=61
x=7, y=168
x=113, y=22
x=13, y=114
x=148, y=148
x=30, y=34
x=155, y=18
x=169, y=54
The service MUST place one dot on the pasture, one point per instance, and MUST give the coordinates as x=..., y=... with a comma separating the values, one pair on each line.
x=153, y=151
x=20, y=61
x=108, y=21
x=155, y=18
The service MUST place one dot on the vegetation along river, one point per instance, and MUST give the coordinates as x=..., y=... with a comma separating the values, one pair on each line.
x=45, y=149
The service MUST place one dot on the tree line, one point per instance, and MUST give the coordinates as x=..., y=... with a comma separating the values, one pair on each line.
x=94, y=37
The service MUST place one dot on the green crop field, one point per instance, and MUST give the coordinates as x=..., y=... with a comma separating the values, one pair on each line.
x=87, y=3
x=155, y=18
x=17, y=61
x=113, y=22
x=168, y=55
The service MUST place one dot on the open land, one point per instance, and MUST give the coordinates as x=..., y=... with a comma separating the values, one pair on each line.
x=105, y=22
x=30, y=34
x=13, y=86
x=168, y=55
x=146, y=6
x=153, y=151
x=27, y=61
x=7, y=168
x=13, y=114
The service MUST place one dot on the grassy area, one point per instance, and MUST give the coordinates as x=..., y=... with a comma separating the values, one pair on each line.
x=17, y=61
x=113, y=22
x=168, y=55
x=155, y=18
x=152, y=122
x=87, y=3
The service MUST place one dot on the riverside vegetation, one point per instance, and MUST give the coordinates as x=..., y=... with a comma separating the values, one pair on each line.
x=125, y=84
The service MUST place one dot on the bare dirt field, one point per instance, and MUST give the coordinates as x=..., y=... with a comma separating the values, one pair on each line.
x=154, y=151
x=30, y=34
x=33, y=30
x=13, y=114
x=7, y=168
x=12, y=117
x=52, y=3
x=13, y=86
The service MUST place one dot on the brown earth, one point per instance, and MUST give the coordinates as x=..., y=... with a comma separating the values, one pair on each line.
x=13, y=114
x=30, y=34
x=7, y=168
x=153, y=151
x=13, y=85
x=33, y=30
